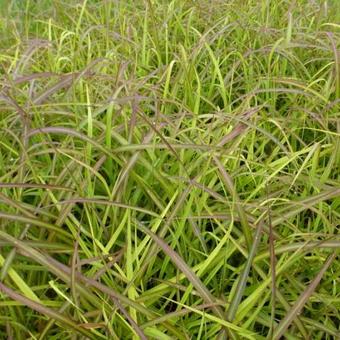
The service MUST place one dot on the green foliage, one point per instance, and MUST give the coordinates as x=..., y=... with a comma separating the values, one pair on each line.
x=169, y=169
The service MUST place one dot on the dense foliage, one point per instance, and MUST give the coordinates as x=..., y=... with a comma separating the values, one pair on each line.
x=169, y=169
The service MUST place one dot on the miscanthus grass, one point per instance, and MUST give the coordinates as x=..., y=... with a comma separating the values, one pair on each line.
x=169, y=169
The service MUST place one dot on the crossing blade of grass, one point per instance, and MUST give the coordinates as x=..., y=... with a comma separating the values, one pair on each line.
x=174, y=315
x=152, y=252
x=297, y=206
x=34, y=76
x=336, y=63
x=33, y=221
x=7, y=264
x=63, y=83
x=19, y=281
x=242, y=215
x=51, y=322
x=130, y=164
x=301, y=301
x=272, y=269
x=106, y=202
x=62, y=270
x=239, y=128
x=305, y=246
x=34, y=185
x=46, y=311
x=244, y=276
x=160, y=135
x=65, y=273
x=244, y=333
x=183, y=267
x=10, y=257
x=69, y=132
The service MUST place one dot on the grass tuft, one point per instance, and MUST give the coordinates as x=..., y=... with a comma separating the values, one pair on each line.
x=169, y=169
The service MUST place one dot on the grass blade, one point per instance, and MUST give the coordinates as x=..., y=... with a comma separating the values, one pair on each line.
x=46, y=311
x=183, y=267
x=301, y=301
x=244, y=276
